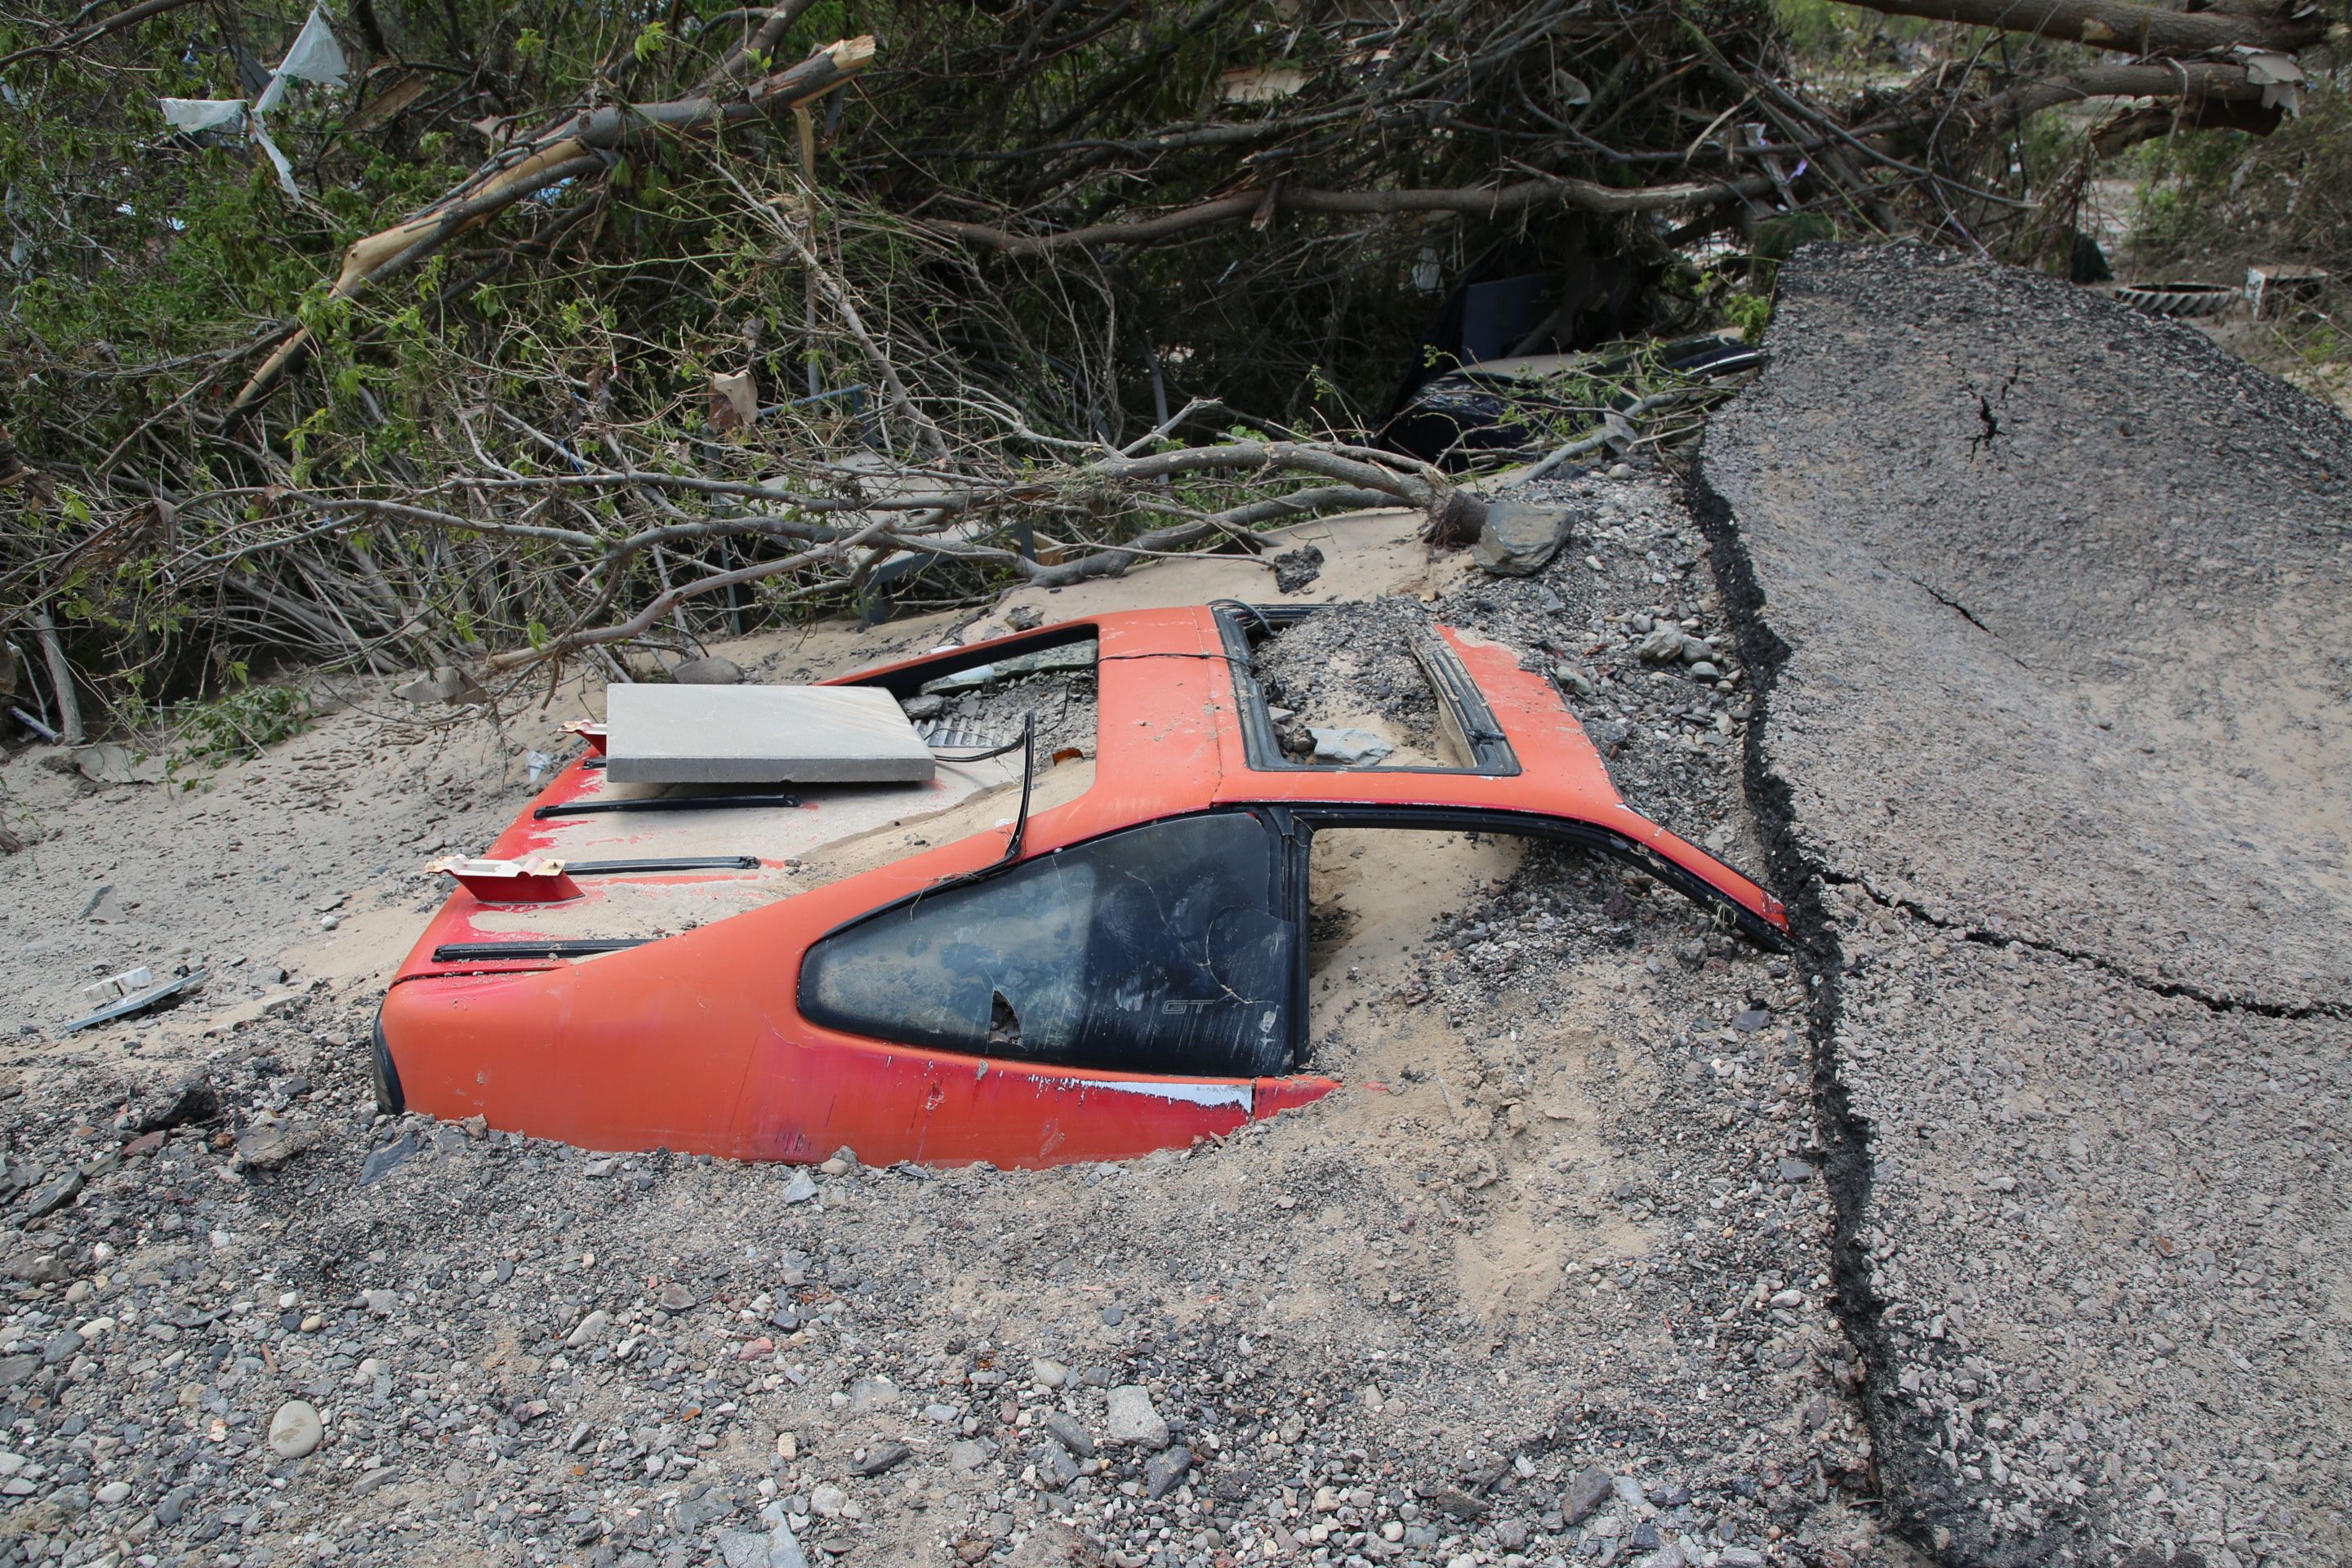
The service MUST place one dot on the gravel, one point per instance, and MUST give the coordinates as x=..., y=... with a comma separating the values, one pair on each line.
x=1543, y=1233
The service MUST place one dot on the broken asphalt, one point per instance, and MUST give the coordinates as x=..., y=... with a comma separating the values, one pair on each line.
x=2047, y=605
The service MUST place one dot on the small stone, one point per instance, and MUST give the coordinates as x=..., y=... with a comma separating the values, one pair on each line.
x=969, y=1455
x=53, y=1194
x=711, y=670
x=1056, y=1467
x=589, y=1330
x=1664, y=644
x=883, y=1457
x=382, y=1303
x=828, y=1501
x=296, y=1430
x=1349, y=747
x=1587, y=1490
x=1574, y=681
x=1455, y=1504
x=1049, y=1374
x=185, y=1100
x=113, y=1493
x=800, y=1189
x=930, y=707
x=1621, y=470
x=1794, y=1170
x=1132, y=1418
x=1166, y=1470
x=1064, y=1428
x=1740, y=1557
x=386, y=1160
x=873, y=1394
x=743, y=1549
x=675, y=1297
x=266, y=1146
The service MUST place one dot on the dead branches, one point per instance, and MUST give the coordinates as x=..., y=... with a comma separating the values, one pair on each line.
x=2122, y=26
x=516, y=453
x=1260, y=205
x=575, y=149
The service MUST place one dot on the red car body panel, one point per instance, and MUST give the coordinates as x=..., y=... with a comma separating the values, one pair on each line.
x=695, y=1042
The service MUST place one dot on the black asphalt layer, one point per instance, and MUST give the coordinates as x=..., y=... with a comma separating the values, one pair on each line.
x=2047, y=605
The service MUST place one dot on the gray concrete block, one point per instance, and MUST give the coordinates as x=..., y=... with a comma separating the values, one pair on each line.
x=760, y=734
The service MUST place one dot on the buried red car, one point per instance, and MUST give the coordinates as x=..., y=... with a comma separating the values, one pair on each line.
x=1016, y=963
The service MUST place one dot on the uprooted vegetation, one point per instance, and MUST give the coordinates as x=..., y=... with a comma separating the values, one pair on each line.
x=572, y=331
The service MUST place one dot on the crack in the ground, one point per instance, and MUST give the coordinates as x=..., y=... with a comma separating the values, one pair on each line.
x=1966, y=615
x=1988, y=937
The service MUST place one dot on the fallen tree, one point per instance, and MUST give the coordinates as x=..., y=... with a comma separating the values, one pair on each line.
x=716, y=340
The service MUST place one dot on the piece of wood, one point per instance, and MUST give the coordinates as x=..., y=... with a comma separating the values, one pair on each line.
x=61, y=684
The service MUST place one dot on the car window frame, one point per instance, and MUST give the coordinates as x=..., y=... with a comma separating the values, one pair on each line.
x=1287, y=900
x=1462, y=714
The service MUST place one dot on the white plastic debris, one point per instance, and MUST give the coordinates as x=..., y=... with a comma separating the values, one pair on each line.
x=315, y=56
x=198, y=114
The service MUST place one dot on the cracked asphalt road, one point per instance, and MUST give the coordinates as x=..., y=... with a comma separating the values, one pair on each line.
x=2047, y=603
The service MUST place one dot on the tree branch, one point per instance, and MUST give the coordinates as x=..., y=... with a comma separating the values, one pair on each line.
x=2115, y=24
x=1478, y=201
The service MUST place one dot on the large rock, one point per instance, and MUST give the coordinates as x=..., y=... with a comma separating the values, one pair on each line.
x=2047, y=604
x=1519, y=538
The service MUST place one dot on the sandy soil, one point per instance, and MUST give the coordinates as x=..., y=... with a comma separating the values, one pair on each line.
x=1549, y=1280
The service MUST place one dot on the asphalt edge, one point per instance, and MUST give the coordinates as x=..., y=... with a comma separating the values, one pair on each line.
x=1797, y=880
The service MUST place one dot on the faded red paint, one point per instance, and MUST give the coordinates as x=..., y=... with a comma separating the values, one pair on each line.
x=695, y=1042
